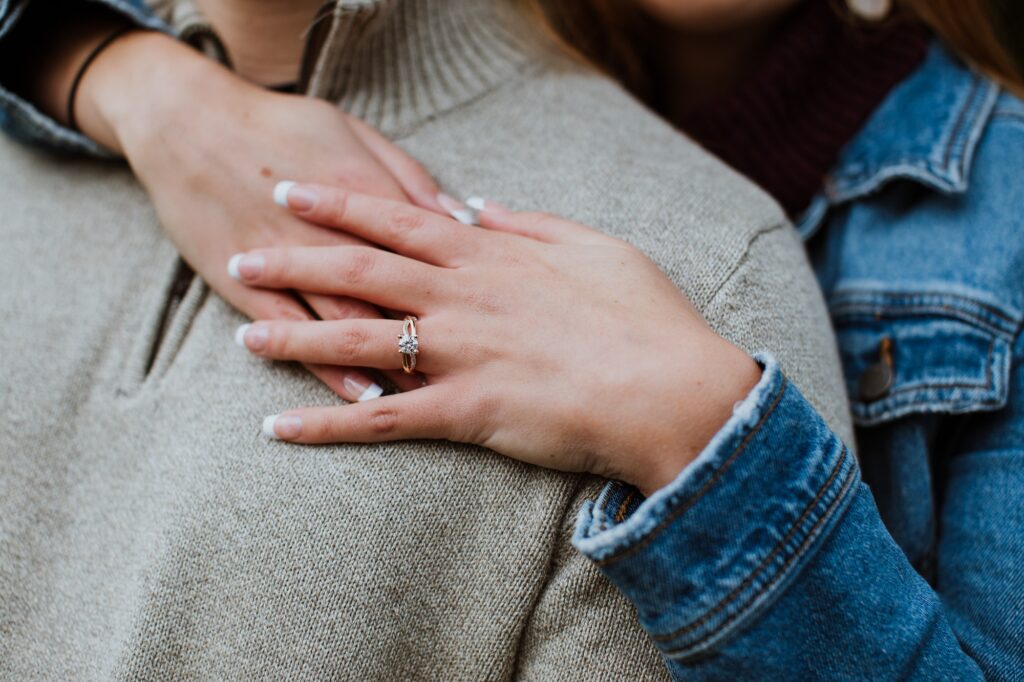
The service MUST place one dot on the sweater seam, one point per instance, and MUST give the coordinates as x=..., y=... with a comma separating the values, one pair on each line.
x=743, y=259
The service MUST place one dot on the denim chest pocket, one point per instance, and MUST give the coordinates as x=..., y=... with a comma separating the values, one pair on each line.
x=922, y=352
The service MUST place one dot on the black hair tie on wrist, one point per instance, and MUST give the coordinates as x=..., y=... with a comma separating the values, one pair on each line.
x=103, y=44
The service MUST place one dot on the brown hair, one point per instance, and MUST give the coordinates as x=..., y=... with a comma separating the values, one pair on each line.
x=969, y=28
x=610, y=34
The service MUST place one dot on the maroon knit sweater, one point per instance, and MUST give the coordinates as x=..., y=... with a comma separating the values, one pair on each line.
x=785, y=124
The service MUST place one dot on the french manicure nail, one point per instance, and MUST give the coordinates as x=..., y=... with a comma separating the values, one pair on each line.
x=281, y=190
x=254, y=337
x=481, y=204
x=280, y=427
x=250, y=265
x=365, y=389
x=295, y=197
x=240, y=334
x=457, y=209
x=233, y=265
x=268, y=426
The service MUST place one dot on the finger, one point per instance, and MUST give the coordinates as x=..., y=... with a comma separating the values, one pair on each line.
x=362, y=272
x=413, y=178
x=542, y=227
x=359, y=343
x=350, y=384
x=403, y=228
x=427, y=412
x=345, y=308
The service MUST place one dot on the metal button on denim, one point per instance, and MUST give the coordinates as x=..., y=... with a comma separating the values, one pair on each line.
x=876, y=380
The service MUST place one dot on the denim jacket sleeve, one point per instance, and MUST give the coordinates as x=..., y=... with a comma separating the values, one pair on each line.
x=22, y=121
x=767, y=559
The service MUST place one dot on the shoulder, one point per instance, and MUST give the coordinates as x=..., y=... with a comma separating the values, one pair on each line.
x=573, y=142
x=722, y=239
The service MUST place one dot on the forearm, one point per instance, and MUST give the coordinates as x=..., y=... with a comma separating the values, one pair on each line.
x=767, y=557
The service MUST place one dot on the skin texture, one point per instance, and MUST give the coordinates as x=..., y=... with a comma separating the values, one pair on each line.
x=202, y=166
x=541, y=339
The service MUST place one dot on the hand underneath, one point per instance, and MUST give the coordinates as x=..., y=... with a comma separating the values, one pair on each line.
x=209, y=147
x=540, y=338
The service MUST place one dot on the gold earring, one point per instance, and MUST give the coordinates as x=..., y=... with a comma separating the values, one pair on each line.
x=871, y=10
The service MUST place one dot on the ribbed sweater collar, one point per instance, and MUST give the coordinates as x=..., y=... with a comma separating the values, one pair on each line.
x=397, y=63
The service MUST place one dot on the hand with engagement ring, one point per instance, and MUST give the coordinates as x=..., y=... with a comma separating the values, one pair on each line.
x=542, y=339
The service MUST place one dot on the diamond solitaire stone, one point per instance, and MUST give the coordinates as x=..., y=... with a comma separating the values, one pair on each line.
x=409, y=344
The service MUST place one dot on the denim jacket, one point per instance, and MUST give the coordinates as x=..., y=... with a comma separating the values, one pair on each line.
x=21, y=120
x=778, y=554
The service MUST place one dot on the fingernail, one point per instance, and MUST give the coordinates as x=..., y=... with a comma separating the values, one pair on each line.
x=362, y=387
x=252, y=337
x=247, y=265
x=293, y=196
x=281, y=190
x=282, y=427
x=481, y=204
x=457, y=209
x=233, y=265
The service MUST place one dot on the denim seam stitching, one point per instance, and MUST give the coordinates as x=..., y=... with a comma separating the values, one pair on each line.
x=686, y=504
x=841, y=308
x=756, y=571
x=799, y=552
x=960, y=119
x=856, y=296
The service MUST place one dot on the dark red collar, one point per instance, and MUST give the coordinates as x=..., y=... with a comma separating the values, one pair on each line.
x=785, y=125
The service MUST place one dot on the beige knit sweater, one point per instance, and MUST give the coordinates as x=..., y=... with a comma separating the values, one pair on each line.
x=148, y=530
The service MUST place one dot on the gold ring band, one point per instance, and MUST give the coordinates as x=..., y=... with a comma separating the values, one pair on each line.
x=409, y=344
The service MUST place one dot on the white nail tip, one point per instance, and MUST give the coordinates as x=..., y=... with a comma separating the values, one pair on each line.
x=240, y=334
x=268, y=426
x=373, y=392
x=233, y=265
x=476, y=203
x=281, y=192
x=465, y=217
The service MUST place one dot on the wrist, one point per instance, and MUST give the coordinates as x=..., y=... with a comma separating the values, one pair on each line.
x=722, y=376
x=141, y=82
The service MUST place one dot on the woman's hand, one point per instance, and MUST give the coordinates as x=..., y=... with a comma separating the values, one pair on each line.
x=540, y=338
x=209, y=146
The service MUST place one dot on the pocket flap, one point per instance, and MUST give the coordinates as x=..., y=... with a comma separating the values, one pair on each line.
x=922, y=352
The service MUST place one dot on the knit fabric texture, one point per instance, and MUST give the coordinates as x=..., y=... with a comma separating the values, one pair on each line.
x=822, y=77
x=149, y=531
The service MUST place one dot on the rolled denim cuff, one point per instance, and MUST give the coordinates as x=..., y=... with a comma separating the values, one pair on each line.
x=22, y=121
x=706, y=554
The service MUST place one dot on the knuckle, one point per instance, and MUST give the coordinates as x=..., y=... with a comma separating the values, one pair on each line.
x=348, y=308
x=358, y=264
x=279, y=342
x=351, y=342
x=383, y=421
x=284, y=308
x=323, y=429
x=403, y=221
x=277, y=266
x=335, y=207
